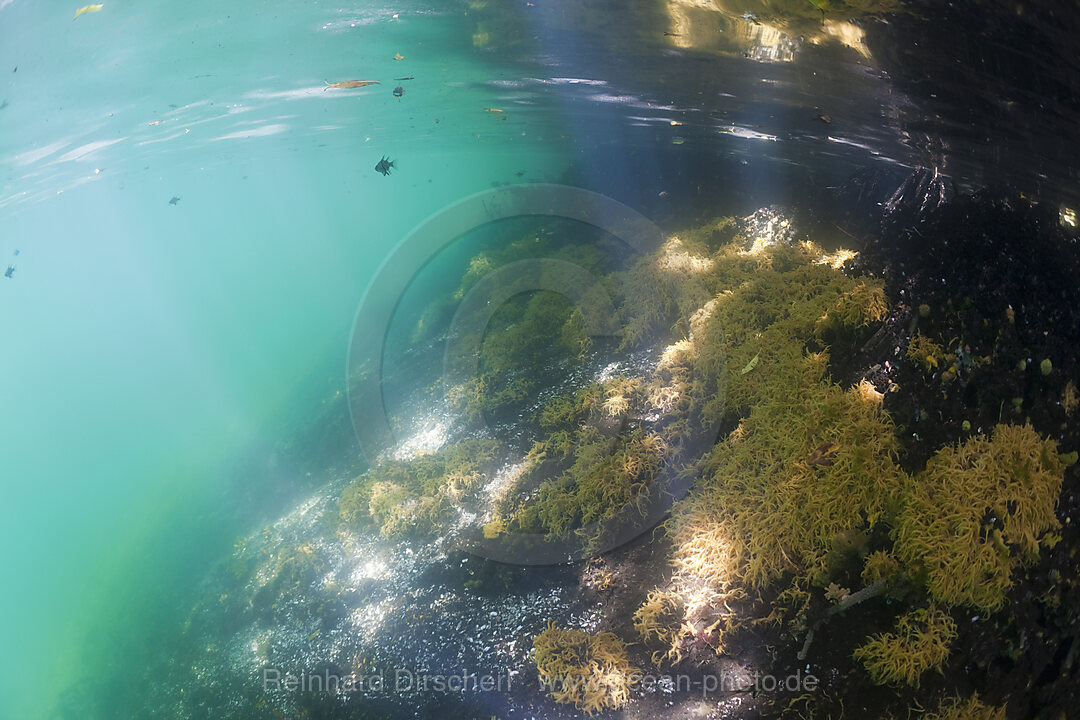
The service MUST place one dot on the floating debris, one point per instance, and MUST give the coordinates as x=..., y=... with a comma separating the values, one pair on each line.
x=399, y=56
x=750, y=365
x=493, y=110
x=350, y=84
x=85, y=9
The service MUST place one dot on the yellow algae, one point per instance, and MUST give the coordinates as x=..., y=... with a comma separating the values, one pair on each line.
x=590, y=672
x=920, y=642
x=977, y=511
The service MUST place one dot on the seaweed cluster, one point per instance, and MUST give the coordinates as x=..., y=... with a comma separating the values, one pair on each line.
x=799, y=495
x=742, y=328
x=971, y=709
x=978, y=510
x=920, y=643
x=590, y=672
x=418, y=496
x=531, y=338
x=808, y=467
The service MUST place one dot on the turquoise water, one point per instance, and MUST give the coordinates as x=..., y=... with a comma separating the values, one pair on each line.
x=149, y=346
x=191, y=216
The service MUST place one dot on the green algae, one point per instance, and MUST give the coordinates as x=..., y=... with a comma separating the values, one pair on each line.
x=417, y=496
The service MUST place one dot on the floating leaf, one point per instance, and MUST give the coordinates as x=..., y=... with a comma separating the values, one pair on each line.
x=88, y=9
x=350, y=84
x=749, y=366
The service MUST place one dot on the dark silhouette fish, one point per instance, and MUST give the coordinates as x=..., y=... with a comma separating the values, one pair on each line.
x=10, y=272
x=175, y=199
x=399, y=91
x=384, y=166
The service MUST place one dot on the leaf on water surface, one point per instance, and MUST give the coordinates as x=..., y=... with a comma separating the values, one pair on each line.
x=88, y=9
x=350, y=84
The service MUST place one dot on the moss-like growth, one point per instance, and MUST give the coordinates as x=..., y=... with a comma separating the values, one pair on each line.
x=925, y=353
x=764, y=508
x=971, y=709
x=602, y=477
x=790, y=303
x=292, y=568
x=533, y=336
x=591, y=672
x=658, y=606
x=297, y=565
x=978, y=510
x=878, y=566
x=527, y=327
x=920, y=643
x=1070, y=400
x=570, y=411
x=658, y=618
x=417, y=496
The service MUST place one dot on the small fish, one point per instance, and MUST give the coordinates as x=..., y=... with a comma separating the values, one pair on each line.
x=399, y=91
x=350, y=84
x=671, y=34
x=88, y=9
x=3, y=104
x=399, y=56
x=10, y=272
x=174, y=199
x=383, y=166
x=401, y=79
x=493, y=110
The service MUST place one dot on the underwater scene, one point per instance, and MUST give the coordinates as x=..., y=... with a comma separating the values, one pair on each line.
x=529, y=360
